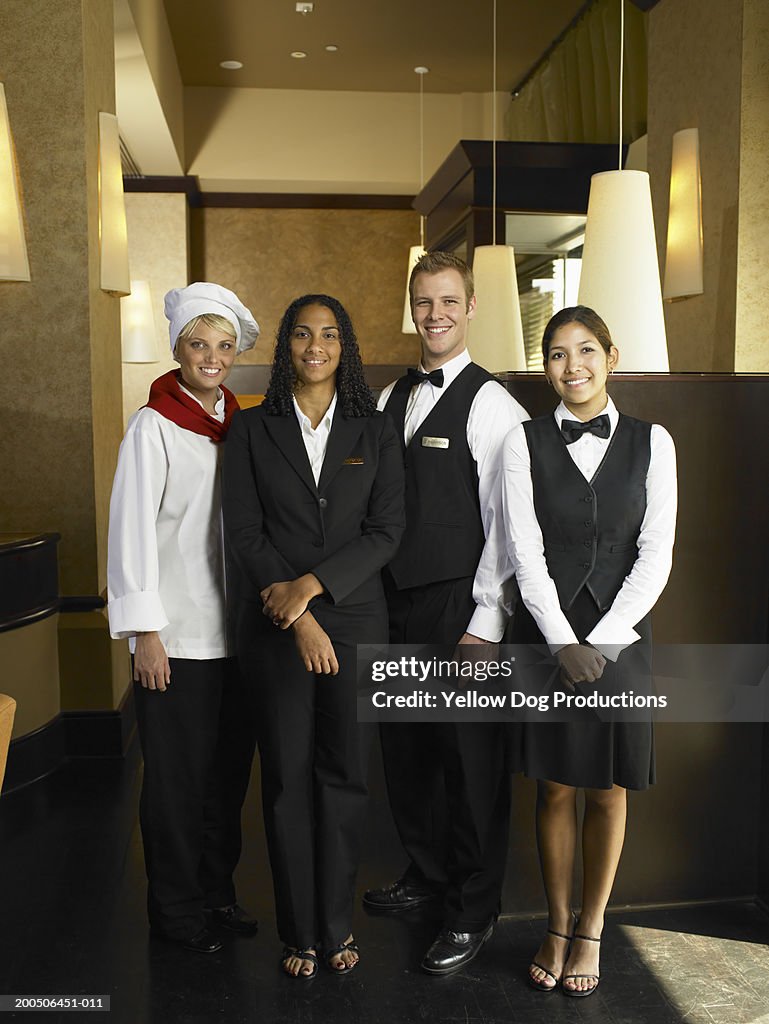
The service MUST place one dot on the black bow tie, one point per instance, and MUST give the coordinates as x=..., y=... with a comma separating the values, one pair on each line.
x=434, y=376
x=573, y=430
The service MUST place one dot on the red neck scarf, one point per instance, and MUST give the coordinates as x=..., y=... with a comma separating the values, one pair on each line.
x=167, y=398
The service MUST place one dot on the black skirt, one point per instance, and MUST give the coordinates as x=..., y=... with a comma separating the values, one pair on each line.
x=587, y=751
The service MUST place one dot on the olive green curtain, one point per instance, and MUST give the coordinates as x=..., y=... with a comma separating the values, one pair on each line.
x=574, y=95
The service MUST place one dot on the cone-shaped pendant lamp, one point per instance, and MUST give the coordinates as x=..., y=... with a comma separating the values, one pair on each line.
x=495, y=334
x=620, y=276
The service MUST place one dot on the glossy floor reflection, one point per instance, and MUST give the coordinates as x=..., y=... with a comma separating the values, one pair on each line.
x=73, y=921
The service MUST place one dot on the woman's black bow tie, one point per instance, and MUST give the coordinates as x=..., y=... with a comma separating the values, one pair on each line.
x=573, y=430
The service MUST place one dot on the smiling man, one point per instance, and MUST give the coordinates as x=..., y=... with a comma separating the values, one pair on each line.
x=447, y=782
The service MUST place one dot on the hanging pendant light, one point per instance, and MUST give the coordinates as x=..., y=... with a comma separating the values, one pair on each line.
x=620, y=276
x=495, y=336
x=137, y=325
x=417, y=250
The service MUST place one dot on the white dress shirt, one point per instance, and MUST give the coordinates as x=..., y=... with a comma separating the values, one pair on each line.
x=316, y=439
x=493, y=414
x=165, y=562
x=646, y=580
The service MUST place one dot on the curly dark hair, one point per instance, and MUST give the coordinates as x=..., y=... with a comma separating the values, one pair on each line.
x=353, y=394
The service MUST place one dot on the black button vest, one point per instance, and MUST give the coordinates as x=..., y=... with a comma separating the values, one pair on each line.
x=590, y=529
x=444, y=534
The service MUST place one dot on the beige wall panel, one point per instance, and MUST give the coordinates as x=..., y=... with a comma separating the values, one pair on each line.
x=55, y=479
x=157, y=242
x=30, y=661
x=695, y=53
x=752, y=341
x=270, y=257
x=94, y=669
x=302, y=141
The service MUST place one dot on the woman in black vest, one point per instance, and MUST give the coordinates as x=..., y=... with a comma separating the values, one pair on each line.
x=313, y=510
x=590, y=506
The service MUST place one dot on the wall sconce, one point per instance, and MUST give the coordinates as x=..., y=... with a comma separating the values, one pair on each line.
x=620, y=274
x=495, y=334
x=683, y=261
x=113, y=234
x=137, y=325
x=14, y=265
x=408, y=321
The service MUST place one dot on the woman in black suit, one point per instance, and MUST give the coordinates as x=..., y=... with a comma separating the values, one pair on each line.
x=590, y=509
x=313, y=509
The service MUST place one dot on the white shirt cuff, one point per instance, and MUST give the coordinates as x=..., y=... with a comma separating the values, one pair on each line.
x=141, y=612
x=488, y=623
x=612, y=635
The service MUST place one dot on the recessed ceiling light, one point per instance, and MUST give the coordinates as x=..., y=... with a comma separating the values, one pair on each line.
x=299, y=54
x=332, y=48
x=304, y=8
x=231, y=65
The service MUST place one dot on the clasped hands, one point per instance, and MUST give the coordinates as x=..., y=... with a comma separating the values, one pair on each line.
x=580, y=663
x=285, y=603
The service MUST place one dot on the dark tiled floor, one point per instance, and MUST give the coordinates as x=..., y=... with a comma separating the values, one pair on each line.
x=72, y=921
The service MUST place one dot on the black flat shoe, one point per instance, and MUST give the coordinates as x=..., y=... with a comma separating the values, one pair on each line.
x=235, y=919
x=400, y=895
x=452, y=950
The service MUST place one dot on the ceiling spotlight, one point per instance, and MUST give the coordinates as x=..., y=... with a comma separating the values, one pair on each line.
x=331, y=48
x=298, y=54
x=231, y=65
x=303, y=8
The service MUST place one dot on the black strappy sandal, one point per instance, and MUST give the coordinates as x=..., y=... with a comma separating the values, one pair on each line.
x=540, y=986
x=343, y=947
x=583, y=993
x=300, y=954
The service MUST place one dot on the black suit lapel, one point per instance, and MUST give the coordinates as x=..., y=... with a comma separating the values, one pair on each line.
x=344, y=434
x=287, y=435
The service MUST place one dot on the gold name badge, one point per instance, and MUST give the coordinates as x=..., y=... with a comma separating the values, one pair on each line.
x=353, y=462
x=435, y=442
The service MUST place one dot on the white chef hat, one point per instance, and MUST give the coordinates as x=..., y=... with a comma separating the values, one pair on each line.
x=184, y=304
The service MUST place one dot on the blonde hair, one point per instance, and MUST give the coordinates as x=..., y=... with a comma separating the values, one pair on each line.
x=214, y=320
x=434, y=263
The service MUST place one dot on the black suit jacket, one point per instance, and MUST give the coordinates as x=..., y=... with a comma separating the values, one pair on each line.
x=280, y=525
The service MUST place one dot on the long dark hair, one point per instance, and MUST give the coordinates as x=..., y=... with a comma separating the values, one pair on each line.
x=353, y=394
x=577, y=315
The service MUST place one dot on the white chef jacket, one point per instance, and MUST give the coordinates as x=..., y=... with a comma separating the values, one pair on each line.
x=492, y=415
x=165, y=563
x=646, y=580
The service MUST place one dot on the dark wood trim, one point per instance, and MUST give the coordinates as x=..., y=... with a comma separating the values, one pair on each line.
x=24, y=543
x=70, y=734
x=196, y=199
x=26, y=618
x=81, y=603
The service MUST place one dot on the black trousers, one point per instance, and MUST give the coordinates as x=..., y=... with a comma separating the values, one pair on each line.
x=314, y=758
x=448, y=784
x=197, y=739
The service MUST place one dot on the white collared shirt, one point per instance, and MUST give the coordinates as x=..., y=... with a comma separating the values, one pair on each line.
x=492, y=415
x=165, y=562
x=316, y=439
x=646, y=580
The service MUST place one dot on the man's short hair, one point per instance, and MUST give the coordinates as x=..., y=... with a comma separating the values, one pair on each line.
x=434, y=263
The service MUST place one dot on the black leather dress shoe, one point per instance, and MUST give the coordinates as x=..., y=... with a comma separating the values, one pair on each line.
x=401, y=895
x=452, y=950
x=235, y=919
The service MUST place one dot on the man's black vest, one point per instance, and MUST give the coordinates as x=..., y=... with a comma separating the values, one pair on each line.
x=590, y=529
x=444, y=534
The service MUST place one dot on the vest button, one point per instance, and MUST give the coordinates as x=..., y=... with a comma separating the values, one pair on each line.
x=589, y=498
x=588, y=522
x=586, y=565
x=323, y=502
x=587, y=543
